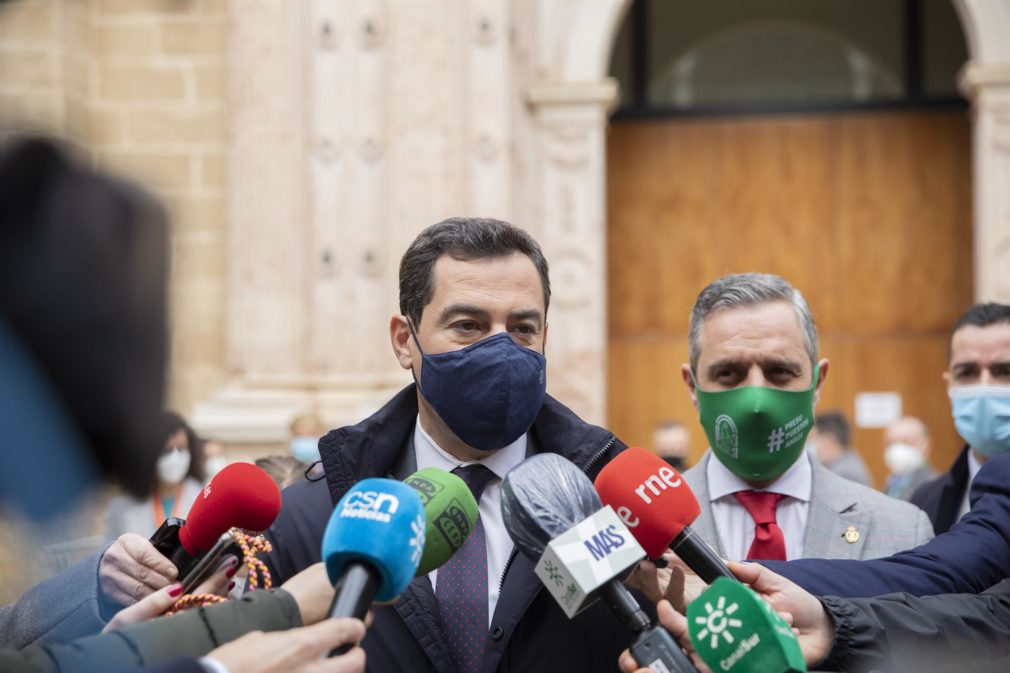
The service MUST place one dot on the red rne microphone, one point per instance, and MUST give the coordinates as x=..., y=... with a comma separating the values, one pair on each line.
x=658, y=507
x=241, y=495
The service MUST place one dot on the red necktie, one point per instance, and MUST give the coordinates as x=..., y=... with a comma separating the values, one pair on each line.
x=769, y=543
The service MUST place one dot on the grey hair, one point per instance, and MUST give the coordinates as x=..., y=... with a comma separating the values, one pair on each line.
x=748, y=289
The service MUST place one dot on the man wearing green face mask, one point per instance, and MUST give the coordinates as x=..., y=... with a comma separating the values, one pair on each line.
x=754, y=376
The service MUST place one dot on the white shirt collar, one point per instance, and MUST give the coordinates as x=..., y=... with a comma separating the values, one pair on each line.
x=973, y=467
x=796, y=482
x=430, y=454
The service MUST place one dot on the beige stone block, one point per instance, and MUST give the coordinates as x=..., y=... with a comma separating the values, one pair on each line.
x=181, y=126
x=39, y=112
x=191, y=213
x=79, y=76
x=29, y=69
x=95, y=127
x=155, y=170
x=29, y=21
x=132, y=8
x=123, y=83
x=213, y=170
x=121, y=41
x=211, y=81
x=197, y=38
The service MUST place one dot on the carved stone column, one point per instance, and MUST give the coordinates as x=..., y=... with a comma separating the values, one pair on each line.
x=569, y=124
x=989, y=88
x=986, y=81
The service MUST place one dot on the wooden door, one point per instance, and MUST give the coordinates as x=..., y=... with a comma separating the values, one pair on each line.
x=869, y=215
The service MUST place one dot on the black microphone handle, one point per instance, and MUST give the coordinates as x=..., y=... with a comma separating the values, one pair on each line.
x=657, y=646
x=699, y=557
x=650, y=644
x=166, y=541
x=355, y=590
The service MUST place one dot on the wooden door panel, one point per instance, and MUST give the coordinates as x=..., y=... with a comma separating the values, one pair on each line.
x=905, y=200
x=911, y=365
x=777, y=203
x=666, y=216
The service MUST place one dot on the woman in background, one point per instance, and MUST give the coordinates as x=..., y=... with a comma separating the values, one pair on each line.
x=180, y=479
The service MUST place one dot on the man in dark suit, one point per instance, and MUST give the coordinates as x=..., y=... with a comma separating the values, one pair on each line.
x=979, y=360
x=471, y=331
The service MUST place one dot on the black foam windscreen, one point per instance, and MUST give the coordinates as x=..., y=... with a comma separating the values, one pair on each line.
x=543, y=497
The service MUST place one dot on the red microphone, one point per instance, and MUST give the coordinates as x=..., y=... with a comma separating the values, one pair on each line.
x=241, y=495
x=658, y=507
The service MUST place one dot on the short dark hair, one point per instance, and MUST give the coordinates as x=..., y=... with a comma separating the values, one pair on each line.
x=465, y=239
x=835, y=424
x=173, y=423
x=979, y=315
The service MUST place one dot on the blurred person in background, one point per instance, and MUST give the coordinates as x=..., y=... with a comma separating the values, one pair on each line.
x=284, y=470
x=672, y=442
x=215, y=458
x=906, y=454
x=830, y=439
x=180, y=479
x=306, y=429
x=978, y=383
x=82, y=308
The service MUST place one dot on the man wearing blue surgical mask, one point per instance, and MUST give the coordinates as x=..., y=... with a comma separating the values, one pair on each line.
x=978, y=381
x=472, y=333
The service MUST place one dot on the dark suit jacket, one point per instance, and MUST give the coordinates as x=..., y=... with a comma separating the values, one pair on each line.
x=941, y=498
x=934, y=633
x=969, y=558
x=529, y=632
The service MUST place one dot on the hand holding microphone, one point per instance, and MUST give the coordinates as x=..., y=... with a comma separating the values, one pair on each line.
x=372, y=545
x=241, y=495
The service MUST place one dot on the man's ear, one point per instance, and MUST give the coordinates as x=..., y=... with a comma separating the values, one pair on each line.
x=685, y=373
x=822, y=369
x=399, y=337
x=545, y=339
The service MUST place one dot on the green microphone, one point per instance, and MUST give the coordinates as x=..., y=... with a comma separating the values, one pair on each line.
x=735, y=630
x=451, y=512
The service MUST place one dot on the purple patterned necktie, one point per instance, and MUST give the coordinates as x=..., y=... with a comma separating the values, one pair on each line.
x=461, y=585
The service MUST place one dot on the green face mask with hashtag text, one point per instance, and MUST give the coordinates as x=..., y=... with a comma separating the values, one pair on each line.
x=757, y=432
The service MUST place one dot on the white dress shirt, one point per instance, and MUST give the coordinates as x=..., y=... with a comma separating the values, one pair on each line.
x=973, y=467
x=734, y=523
x=499, y=544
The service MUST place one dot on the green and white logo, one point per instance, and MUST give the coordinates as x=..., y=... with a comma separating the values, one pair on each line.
x=727, y=439
x=719, y=622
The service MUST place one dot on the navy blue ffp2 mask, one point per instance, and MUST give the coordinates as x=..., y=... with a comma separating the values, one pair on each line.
x=488, y=393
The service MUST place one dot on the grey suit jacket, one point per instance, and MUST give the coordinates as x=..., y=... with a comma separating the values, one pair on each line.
x=61, y=609
x=884, y=525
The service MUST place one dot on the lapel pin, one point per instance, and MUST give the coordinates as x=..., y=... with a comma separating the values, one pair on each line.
x=851, y=535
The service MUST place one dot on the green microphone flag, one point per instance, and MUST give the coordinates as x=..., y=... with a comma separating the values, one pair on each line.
x=735, y=630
